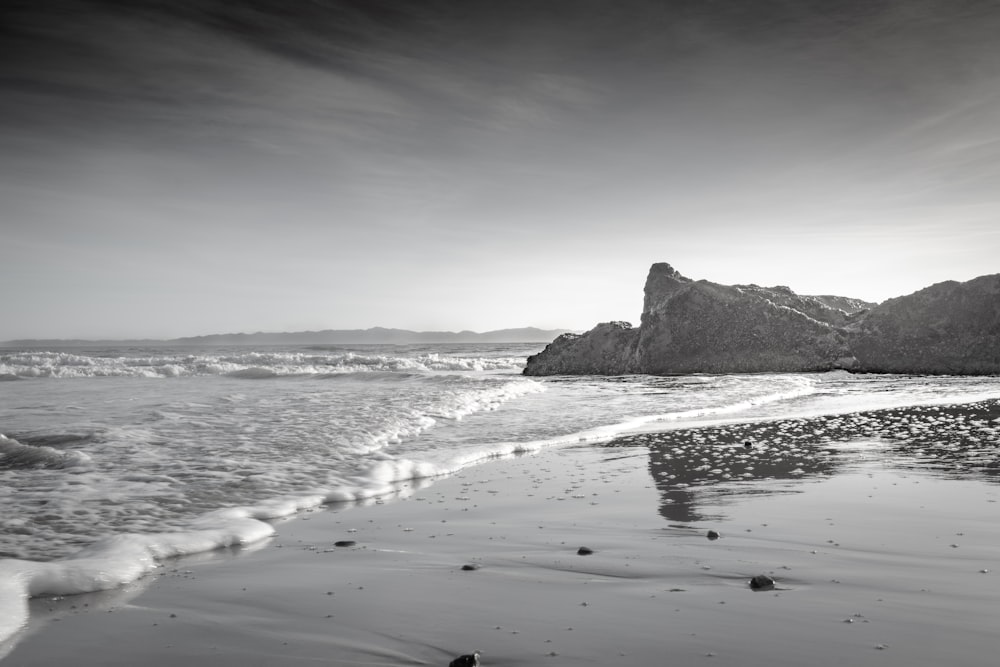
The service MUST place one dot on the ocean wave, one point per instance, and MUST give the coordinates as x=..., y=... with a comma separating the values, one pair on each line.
x=253, y=373
x=171, y=460
x=118, y=560
x=464, y=403
x=249, y=364
x=17, y=455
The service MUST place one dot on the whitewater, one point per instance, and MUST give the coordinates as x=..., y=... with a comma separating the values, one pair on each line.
x=115, y=459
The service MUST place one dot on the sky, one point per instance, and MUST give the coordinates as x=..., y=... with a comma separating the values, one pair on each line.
x=185, y=167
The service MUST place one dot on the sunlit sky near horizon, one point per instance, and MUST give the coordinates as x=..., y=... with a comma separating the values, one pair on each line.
x=186, y=167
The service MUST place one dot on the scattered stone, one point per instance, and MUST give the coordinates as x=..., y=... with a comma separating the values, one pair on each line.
x=713, y=535
x=344, y=543
x=584, y=551
x=468, y=567
x=470, y=660
x=762, y=582
x=747, y=444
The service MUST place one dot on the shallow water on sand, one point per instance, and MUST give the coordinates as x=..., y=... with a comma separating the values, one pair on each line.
x=874, y=565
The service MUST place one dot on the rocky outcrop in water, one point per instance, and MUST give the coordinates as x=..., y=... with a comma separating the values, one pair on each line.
x=691, y=326
x=607, y=349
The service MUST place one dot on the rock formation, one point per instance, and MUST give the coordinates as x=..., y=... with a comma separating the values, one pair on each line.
x=607, y=349
x=949, y=328
x=693, y=326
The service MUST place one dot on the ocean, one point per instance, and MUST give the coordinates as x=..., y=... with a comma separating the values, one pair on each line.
x=113, y=459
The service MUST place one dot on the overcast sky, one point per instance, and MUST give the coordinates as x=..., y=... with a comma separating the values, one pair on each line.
x=185, y=167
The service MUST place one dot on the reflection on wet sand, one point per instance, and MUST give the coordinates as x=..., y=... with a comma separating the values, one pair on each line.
x=692, y=466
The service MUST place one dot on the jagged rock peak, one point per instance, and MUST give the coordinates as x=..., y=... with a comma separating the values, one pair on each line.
x=664, y=269
x=662, y=275
x=662, y=282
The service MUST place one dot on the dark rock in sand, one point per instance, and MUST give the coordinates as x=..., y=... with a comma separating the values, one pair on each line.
x=469, y=567
x=470, y=660
x=762, y=582
x=691, y=326
x=584, y=551
x=344, y=543
x=713, y=535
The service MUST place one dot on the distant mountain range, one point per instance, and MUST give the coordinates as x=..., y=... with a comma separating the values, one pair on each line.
x=375, y=336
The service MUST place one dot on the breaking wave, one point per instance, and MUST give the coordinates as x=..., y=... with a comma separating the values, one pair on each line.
x=242, y=364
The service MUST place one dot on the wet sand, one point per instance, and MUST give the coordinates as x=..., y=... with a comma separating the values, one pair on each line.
x=880, y=531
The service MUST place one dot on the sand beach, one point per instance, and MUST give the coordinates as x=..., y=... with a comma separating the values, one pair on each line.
x=878, y=529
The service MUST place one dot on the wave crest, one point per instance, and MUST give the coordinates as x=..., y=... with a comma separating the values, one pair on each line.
x=14, y=455
x=242, y=364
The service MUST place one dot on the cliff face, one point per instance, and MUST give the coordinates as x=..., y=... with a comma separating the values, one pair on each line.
x=703, y=327
x=947, y=328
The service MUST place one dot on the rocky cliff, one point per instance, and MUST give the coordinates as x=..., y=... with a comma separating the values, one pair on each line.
x=698, y=326
x=948, y=328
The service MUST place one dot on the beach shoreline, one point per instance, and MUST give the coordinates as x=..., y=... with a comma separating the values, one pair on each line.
x=880, y=556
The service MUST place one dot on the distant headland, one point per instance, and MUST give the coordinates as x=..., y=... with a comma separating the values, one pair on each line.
x=697, y=326
x=372, y=336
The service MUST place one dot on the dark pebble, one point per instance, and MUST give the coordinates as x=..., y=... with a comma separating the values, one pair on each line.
x=471, y=566
x=344, y=543
x=762, y=582
x=747, y=444
x=584, y=551
x=713, y=535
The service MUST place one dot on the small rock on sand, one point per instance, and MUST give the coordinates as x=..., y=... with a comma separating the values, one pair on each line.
x=470, y=660
x=761, y=582
x=584, y=551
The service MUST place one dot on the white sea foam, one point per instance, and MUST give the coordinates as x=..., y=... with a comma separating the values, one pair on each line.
x=13, y=454
x=241, y=364
x=121, y=559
